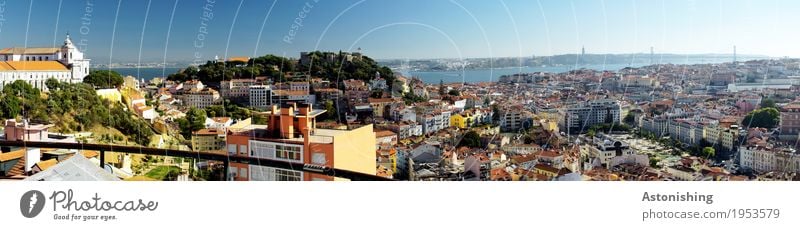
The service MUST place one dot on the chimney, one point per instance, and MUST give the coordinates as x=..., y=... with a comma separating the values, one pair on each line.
x=32, y=156
x=304, y=109
x=10, y=130
x=275, y=109
x=273, y=123
x=306, y=140
x=126, y=163
x=286, y=121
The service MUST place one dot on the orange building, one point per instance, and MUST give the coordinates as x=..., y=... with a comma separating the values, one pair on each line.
x=291, y=134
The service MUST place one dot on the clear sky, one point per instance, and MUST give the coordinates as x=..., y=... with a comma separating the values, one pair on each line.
x=114, y=30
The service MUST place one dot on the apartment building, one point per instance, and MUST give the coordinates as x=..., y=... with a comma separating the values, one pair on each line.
x=260, y=96
x=512, y=119
x=686, y=131
x=763, y=159
x=406, y=129
x=201, y=98
x=292, y=96
x=355, y=91
x=579, y=118
x=790, y=123
x=236, y=88
x=326, y=94
x=208, y=140
x=292, y=135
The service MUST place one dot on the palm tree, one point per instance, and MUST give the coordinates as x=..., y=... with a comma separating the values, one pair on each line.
x=709, y=152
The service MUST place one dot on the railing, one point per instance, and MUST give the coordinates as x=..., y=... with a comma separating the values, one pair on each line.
x=214, y=156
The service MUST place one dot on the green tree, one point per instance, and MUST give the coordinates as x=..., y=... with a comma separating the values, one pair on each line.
x=765, y=118
x=126, y=122
x=195, y=120
x=768, y=103
x=610, y=127
x=454, y=92
x=215, y=111
x=709, y=152
x=495, y=113
x=52, y=84
x=471, y=139
x=331, y=112
x=191, y=71
x=21, y=88
x=104, y=79
x=411, y=98
x=654, y=162
x=184, y=126
x=10, y=107
x=259, y=119
x=180, y=77
x=28, y=102
x=629, y=119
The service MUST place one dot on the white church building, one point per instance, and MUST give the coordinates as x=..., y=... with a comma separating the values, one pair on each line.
x=36, y=65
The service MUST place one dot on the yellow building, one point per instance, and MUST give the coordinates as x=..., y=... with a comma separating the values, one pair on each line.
x=354, y=149
x=292, y=135
x=549, y=114
x=546, y=170
x=387, y=158
x=549, y=125
x=130, y=82
x=208, y=140
x=160, y=125
x=462, y=120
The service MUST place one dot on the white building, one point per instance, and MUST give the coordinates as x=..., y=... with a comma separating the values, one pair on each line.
x=604, y=148
x=765, y=159
x=236, y=88
x=289, y=96
x=378, y=83
x=512, y=119
x=299, y=86
x=201, y=98
x=260, y=96
x=192, y=85
x=36, y=65
x=218, y=123
x=581, y=117
x=523, y=149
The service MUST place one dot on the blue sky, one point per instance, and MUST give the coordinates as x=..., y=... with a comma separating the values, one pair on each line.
x=403, y=29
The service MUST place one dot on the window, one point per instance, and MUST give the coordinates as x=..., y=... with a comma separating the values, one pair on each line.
x=231, y=149
x=318, y=159
x=287, y=152
x=287, y=175
x=242, y=172
x=243, y=149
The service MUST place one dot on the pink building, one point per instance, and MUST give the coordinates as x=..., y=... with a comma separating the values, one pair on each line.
x=24, y=131
x=745, y=106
